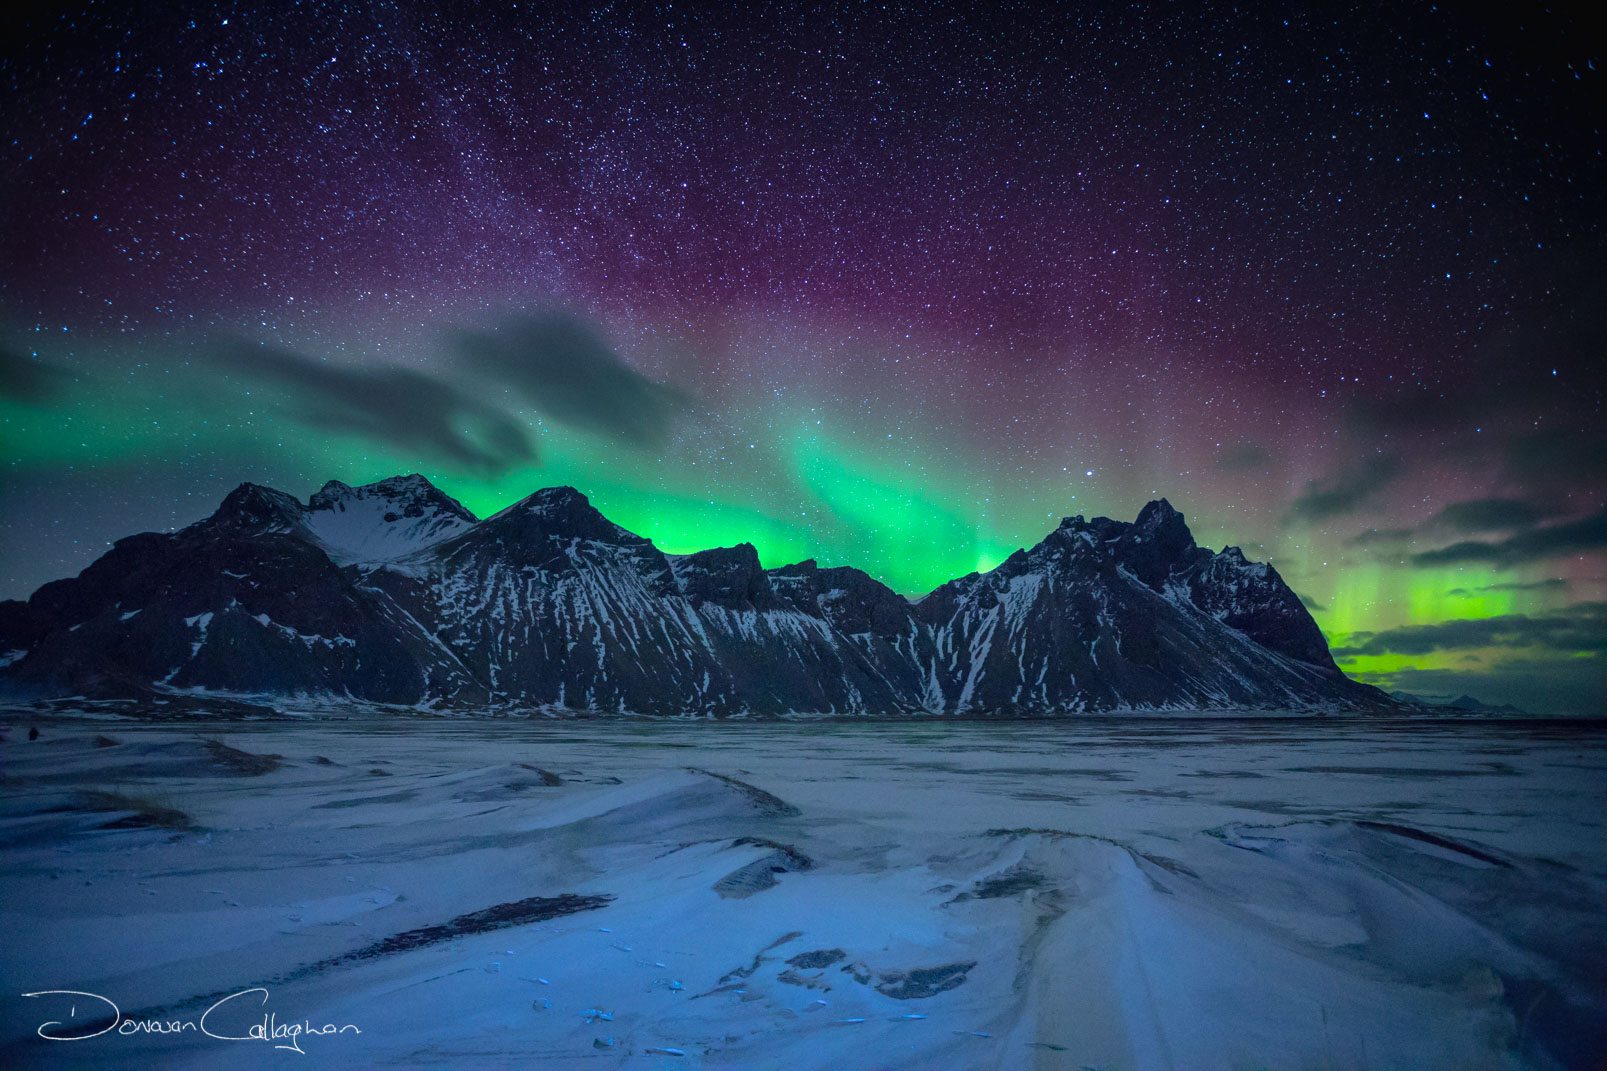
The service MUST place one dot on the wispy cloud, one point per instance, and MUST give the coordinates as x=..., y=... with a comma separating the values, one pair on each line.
x=1374, y=537
x=1246, y=456
x=403, y=407
x=564, y=367
x=1553, y=584
x=29, y=379
x=1578, y=628
x=1346, y=490
x=1570, y=537
x=1490, y=515
x=1541, y=685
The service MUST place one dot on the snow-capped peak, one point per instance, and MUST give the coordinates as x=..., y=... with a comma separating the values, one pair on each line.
x=385, y=520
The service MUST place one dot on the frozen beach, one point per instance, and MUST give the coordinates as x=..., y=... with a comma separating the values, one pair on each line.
x=1099, y=893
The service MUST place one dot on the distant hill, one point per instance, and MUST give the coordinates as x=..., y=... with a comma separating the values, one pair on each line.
x=1459, y=702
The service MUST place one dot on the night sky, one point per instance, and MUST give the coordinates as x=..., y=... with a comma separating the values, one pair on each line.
x=896, y=290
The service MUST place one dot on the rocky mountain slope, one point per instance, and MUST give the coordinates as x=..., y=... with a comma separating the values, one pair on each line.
x=394, y=593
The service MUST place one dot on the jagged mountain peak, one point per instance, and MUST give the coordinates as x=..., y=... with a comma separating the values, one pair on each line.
x=392, y=591
x=731, y=576
x=557, y=512
x=384, y=520
x=1161, y=521
x=1235, y=558
x=1156, y=513
x=412, y=495
x=256, y=508
x=745, y=554
x=1152, y=547
x=412, y=483
x=808, y=565
x=412, y=480
x=555, y=500
x=840, y=575
x=850, y=599
x=1158, y=543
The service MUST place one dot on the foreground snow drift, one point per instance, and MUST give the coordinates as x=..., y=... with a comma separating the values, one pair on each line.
x=1169, y=895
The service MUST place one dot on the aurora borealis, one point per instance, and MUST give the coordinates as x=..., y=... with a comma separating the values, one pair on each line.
x=895, y=290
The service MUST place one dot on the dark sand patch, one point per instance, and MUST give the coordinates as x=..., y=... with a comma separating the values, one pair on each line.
x=140, y=812
x=760, y=874
x=1009, y=882
x=497, y=917
x=244, y=763
x=1395, y=771
x=361, y=801
x=768, y=805
x=547, y=777
x=1412, y=833
x=922, y=982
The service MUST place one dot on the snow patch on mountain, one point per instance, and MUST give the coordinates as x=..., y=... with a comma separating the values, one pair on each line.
x=548, y=604
x=383, y=521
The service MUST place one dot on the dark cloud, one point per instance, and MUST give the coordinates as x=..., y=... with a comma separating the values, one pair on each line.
x=401, y=406
x=1571, y=537
x=1526, y=405
x=1244, y=456
x=1309, y=603
x=563, y=367
x=1347, y=490
x=1560, y=453
x=1554, y=584
x=1578, y=628
x=1491, y=515
x=1375, y=536
x=29, y=379
x=1540, y=685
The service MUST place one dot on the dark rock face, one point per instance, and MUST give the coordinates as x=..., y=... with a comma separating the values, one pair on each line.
x=211, y=607
x=1252, y=598
x=1104, y=615
x=393, y=593
x=728, y=576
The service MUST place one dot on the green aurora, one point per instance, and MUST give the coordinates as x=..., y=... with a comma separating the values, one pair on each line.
x=796, y=483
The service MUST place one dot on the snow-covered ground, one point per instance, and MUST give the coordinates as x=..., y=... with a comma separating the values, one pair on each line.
x=1313, y=894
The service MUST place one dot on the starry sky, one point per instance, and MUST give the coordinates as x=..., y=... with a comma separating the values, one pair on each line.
x=896, y=288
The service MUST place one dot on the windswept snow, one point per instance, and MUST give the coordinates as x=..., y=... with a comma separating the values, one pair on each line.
x=1150, y=894
x=381, y=521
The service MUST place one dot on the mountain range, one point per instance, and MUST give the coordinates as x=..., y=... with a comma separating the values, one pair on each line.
x=394, y=593
x=1460, y=703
